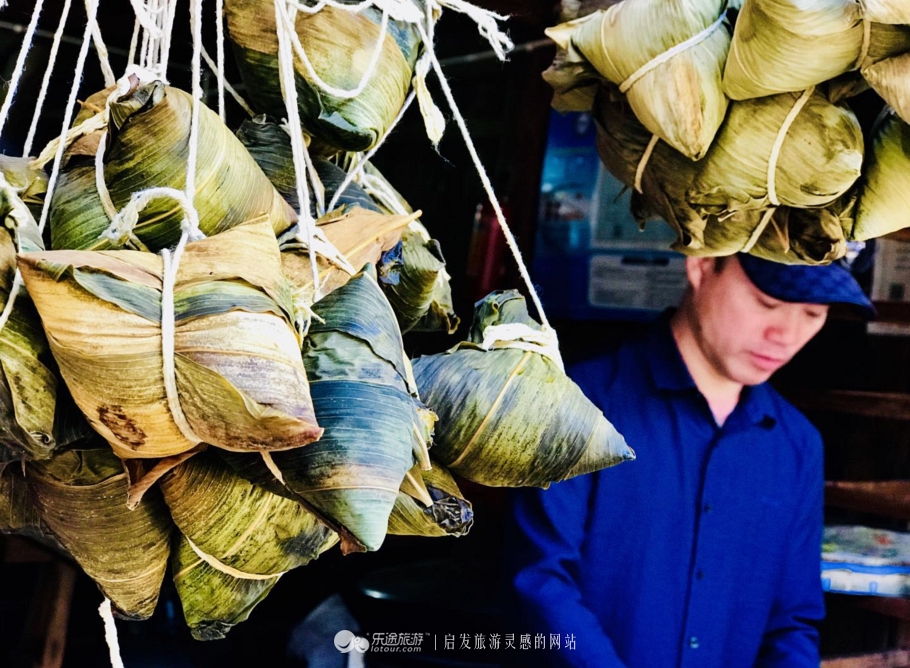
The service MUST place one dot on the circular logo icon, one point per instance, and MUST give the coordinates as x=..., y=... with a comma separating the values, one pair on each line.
x=345, y=641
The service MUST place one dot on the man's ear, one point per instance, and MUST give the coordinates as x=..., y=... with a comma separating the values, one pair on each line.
x=697, y=268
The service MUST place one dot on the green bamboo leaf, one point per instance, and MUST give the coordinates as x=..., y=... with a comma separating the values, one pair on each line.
x=449, y=514
x=337, y=44
x=148, y=145
x=81, y=496
x=510, y=417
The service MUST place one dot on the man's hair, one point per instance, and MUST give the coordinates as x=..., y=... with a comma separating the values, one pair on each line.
x=719, y=263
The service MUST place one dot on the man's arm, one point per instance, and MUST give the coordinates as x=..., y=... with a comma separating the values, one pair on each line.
x=544, y=562
x=791, y=637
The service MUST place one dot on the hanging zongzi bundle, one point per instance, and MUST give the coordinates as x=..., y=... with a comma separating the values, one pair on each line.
x=339, y=45
x=28, y=386
x=148, y=145
x=241, y=531
x=884, y=200
x=80, y=496
x=782, y=46
x=796, y=149
x=365, y=399
x=667, y=57
x=508, y=414
x=430, y=504
x=239, y=380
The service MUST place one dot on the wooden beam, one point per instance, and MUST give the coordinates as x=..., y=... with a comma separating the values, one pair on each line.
x=888, y=405
x=893, y=659
x=890, y=498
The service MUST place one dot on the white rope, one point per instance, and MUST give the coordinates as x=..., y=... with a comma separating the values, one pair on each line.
x=519, y=336
x=667, y=55
x=219, y=54
x=197, y=100
x=228, y=570
x=643, y=163
x=319, y=6
x=20, y=214
x=110, y=633
x=134, y=42
x=757, y=232
x=284, y=18
x=487, y=24
x=144, y=17
x=20, y=64
x=357, y=168
x=485, y=179
x=103, y=56
x=51, y=61
x=779, y=142
x=92, y=9
x=230, y=89
x=170, y=13
x=289, y=91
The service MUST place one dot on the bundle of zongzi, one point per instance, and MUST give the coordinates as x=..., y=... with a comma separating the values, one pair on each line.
x=508, y=413
x=667, y=57
x=80, y=496
x=807, y=236
x=884, y=200
x=238, y=382
x=781, y=46
x=796, y=149
x=339, y=45
x=28, y=386
x=365, y=400
x=430, y=504
x=148, y=146
x=241, y=531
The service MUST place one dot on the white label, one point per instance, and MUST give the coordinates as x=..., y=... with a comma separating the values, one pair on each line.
x=639, y=282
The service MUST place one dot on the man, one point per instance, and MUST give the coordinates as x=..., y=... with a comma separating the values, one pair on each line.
x=705, y=551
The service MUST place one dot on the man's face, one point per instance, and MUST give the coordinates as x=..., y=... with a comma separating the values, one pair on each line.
x=745, y=334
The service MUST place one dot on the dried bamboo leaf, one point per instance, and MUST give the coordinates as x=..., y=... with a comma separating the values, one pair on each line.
x=510, y=417
x=681, y=99
x=884, y=200
x=448, y=513
x=819, y=159
x=148, y=145
x=81, y=496
x=782, y=46
x=339, y=44
x=240, y=379
x=891, y=79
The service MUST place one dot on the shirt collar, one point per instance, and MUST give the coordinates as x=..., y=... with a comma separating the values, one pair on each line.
x=669, y=372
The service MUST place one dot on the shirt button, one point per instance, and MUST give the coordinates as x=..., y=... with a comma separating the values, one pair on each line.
x=693, y=642
x=707, y=508
x=699, y=574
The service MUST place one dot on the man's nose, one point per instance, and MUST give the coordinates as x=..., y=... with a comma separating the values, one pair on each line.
x=785, y=328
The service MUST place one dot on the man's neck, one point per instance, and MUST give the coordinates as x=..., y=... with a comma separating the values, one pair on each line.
x=721, y=393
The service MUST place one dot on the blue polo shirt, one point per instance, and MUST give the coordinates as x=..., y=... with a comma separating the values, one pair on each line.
x=704, y=551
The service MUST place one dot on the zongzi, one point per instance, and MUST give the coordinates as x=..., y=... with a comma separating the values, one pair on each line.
x=884, y=200
x=430, y=504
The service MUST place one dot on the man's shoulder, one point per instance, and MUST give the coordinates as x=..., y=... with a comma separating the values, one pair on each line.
x=598, y=375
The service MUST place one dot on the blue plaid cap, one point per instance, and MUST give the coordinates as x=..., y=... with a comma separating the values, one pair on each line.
x=818, y=284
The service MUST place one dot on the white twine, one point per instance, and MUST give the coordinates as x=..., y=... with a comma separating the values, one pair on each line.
x=779, y=142
x=103, y=56
x=197, y=101
x=522, y=337
x=19, y=214
x=134, y=42
x=144, y=17
x=110, y=633
x=230, y=89
x=298, y=147
x=487, y=24
x=667, y=55
x=219, y=54
x=20, y=64
x=228, y=570
x=170, y=13
x=92, y=10
x=757, y=232
x=51, y=62
x=284, y=18
x=643, y=163
x=485, y=179
x=357, y=169
x=103, y=193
